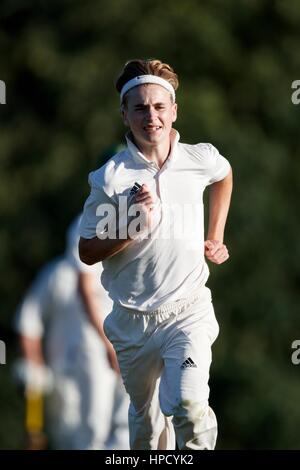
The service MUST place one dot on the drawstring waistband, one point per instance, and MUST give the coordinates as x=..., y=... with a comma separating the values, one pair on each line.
x=173, y=307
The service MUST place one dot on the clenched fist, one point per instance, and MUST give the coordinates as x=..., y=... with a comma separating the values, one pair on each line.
x=216, y=251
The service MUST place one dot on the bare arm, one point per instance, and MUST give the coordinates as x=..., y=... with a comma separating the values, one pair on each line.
x=219, y=202
x=32, y=349
x=93, y=311
x=93, y=250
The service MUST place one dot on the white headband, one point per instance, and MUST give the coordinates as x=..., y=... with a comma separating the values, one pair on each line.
x=142, y=79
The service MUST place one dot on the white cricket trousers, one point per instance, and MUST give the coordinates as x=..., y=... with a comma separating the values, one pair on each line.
x=164, y=357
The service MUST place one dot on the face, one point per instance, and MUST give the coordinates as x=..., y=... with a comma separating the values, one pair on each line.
x=150, y=113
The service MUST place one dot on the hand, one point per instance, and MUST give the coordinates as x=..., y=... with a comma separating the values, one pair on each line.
x=216, y=251
x=112, y=357
x=144, y=201
x=34, y=377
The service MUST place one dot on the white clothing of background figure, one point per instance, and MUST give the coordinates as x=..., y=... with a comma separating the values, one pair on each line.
x=88, y=407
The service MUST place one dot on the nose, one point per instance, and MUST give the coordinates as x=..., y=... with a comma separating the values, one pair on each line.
x=150, y=113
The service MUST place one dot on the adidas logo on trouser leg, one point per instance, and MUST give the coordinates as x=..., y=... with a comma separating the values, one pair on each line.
x=188, y=363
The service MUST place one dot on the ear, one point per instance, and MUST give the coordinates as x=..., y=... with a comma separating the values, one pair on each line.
x=124, y=115
x=174, y=112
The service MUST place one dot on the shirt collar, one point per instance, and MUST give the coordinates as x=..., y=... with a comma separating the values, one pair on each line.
x=139, y=157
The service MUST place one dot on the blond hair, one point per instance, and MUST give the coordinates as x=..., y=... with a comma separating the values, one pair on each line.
x=137, y=67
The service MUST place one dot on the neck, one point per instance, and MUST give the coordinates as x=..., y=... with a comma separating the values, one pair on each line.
x=158, y=153
x=155, y=153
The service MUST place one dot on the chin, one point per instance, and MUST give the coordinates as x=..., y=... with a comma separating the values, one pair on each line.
x=154, y=138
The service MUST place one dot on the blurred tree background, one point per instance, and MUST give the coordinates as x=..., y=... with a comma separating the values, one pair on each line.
x=236, y=61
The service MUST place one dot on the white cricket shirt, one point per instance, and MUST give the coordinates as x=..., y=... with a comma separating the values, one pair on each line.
x=169, y=264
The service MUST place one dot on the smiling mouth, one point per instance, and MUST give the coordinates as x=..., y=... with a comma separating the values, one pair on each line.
x=152, y=128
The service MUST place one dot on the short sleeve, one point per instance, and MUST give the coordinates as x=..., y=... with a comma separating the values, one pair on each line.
x=95, y=208
x=28, y=321
x=215, y=166
x=72, y=249
x=221, y=166
x=32, y=312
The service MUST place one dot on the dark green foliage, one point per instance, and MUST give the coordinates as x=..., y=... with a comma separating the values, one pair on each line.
x=236, y=62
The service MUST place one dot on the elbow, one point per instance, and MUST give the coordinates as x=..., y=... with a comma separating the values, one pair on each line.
x=86, y=259
x=85, y=252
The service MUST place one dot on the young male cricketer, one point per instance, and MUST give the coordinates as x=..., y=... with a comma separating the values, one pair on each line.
x=162, y=325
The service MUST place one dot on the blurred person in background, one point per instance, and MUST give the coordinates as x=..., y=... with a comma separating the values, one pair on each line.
x=68, y=360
